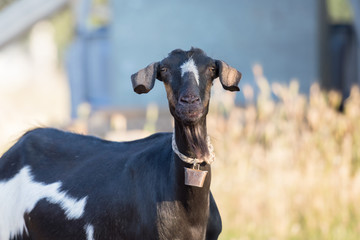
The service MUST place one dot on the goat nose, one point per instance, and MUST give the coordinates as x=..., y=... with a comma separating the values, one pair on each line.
x=189, y=99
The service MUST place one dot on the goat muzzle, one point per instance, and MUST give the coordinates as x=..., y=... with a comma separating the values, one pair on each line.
x=189, y=108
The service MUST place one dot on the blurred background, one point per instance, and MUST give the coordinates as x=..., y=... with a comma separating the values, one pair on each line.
x=287, y=145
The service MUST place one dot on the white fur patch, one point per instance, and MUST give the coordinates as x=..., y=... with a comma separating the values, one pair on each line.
x=20, y=194
x=89, y=232
x=189, y=66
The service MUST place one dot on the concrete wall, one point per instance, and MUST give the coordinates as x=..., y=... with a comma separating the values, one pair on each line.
x=281, y=35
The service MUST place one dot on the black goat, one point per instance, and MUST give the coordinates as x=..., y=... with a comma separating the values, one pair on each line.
x=60, y=185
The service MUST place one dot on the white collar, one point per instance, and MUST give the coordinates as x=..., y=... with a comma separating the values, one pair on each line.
x=194, y=161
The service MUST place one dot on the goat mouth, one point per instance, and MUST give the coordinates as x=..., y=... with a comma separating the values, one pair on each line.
x=189, y=114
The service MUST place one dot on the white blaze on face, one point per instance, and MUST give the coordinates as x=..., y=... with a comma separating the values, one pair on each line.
x=189, y=66
x=20, y=195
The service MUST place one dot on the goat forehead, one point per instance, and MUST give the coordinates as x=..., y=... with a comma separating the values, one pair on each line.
x=190, y=66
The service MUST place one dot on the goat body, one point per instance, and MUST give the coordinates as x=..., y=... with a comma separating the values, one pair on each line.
x=128, y=189
x=61, y=185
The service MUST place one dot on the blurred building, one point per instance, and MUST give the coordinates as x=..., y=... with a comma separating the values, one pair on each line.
x=290, y=39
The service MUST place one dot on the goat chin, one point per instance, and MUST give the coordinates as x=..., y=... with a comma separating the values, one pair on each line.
x=190, y=114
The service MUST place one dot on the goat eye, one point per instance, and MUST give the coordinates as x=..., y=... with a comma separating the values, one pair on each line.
x=163, y=70
x=212, y=69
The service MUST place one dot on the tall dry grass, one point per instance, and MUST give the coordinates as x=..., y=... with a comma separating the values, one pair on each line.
x=287, y=169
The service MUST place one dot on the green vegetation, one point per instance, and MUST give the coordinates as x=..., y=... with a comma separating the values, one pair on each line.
x=339, y=11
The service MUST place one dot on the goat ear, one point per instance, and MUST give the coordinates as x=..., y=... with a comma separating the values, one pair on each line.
x=143, y=81
x=229, y=76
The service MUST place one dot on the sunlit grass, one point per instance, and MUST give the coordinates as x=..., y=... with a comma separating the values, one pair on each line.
x=287, y=169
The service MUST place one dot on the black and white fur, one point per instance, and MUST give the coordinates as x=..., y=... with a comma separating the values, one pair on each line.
x=60, y=185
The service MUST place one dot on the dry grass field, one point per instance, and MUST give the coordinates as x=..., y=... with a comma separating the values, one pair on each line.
x=288, y=169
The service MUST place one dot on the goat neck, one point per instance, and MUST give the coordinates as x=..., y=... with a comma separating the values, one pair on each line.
x=191, y=140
